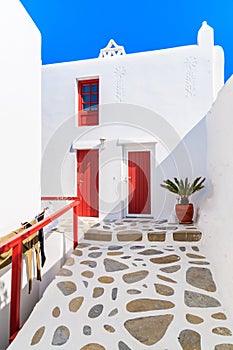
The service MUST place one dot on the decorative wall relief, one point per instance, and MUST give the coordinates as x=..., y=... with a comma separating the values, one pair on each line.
x=120, y=73
x=190, y=76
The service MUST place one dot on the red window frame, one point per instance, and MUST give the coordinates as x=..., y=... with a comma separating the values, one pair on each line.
x=88, y=102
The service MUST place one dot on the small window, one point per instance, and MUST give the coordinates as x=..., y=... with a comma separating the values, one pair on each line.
x=88, y=102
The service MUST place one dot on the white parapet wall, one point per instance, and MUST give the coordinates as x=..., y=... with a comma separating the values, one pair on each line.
x=216, y=210
x=20, y=108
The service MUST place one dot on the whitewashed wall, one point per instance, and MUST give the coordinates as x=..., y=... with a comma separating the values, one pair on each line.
x=159, y=95
x=188, y=159
x=20, y=137
x=20, y=132
x=216, y=210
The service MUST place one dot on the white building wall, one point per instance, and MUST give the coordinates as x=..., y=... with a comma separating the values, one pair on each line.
x=216, y=210
x=154, y=96
x=20, y=138
x=20, y=108
x=188, y=159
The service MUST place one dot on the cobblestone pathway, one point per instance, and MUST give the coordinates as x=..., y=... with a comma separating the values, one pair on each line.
x=132, y=285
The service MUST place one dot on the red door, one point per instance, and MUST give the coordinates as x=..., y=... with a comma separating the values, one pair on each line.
x=88, y=182
x=139, y=187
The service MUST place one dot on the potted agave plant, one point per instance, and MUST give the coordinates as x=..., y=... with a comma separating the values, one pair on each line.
x=184, y=209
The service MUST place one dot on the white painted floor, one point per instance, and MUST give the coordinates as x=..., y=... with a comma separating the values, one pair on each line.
x=113, y=320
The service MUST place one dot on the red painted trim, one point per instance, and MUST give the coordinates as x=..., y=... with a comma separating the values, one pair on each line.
x=10, y=243
x=139, y=184
x=15, y=243
x=88, y=182
x=15, y=289
x=59, y=198
x=75, y=227
x=87, y=118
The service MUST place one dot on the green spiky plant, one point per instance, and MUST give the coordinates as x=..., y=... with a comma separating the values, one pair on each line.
x=183, y=188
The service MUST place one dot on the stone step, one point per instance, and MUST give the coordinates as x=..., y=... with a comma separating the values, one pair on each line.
x=179, y=236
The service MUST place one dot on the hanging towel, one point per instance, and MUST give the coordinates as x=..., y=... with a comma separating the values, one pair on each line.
x=40, y=217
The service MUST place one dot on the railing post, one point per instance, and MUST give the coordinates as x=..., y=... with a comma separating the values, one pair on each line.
x=15, y=290
x=75, y=226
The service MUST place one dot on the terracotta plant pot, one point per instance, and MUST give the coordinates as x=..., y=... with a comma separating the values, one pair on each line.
x=184, y=213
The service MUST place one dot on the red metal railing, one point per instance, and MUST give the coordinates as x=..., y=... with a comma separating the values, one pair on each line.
x=15, y=243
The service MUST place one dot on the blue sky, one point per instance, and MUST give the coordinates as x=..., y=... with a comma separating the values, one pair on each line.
x=75, y=29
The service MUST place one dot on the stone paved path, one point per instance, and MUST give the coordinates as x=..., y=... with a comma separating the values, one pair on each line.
x=132, y=285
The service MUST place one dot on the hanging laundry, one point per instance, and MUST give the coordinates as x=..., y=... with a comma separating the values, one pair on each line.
x=28, y=251
x=40, y=217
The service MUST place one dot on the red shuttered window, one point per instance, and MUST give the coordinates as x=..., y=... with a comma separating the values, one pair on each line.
x=88, y=102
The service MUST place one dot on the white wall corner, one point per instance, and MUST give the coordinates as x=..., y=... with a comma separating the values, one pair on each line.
x=218, y=70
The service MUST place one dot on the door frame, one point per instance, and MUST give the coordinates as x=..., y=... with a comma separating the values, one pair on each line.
x=134, y=147
x=77, y=180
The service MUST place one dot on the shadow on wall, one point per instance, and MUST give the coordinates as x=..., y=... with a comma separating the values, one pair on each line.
x=188, y=159
x=26, y=299
x=56, y=243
